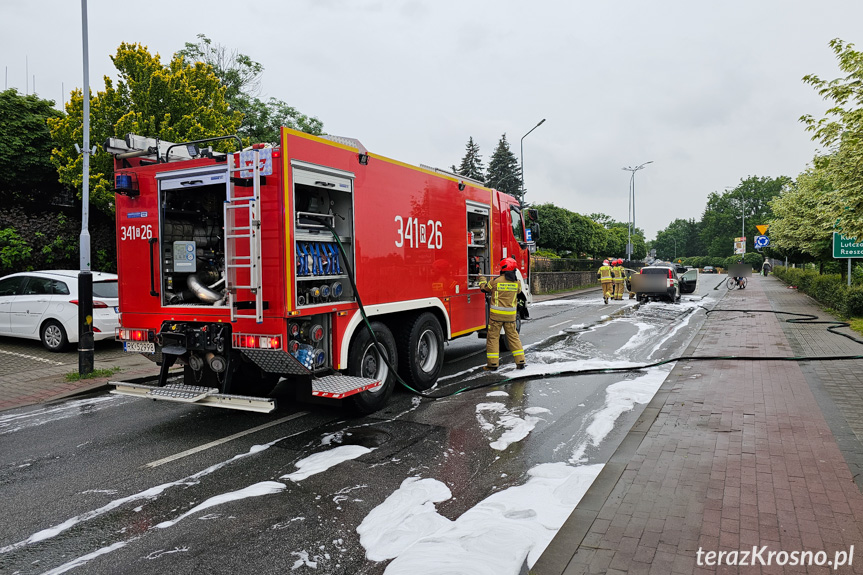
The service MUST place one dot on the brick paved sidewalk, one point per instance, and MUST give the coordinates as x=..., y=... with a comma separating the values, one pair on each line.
x=731, y=455
x=31, y=376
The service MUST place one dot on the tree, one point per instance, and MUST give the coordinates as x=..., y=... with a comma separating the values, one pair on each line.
x=471, y=164
x=590, y=238
x=803, y=223
x=841, y=132
x=175, y=102
x=504, y=173
x=558, y=233
x=679, y=239
x=25, y=142
x=241, y=77
x=722, y=218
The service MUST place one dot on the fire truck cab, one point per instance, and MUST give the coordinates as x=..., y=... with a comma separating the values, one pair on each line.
x=281, y=266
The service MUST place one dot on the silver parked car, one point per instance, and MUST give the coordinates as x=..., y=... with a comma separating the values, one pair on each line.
x=43, y=305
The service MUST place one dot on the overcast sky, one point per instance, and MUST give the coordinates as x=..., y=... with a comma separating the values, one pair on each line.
x=710, y=92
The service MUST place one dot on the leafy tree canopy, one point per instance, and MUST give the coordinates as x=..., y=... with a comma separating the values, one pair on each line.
x=241, y=77
x=803, y=221
x=841, y=132
x=722, y=220
x=24, y=136
x=679, y=239
x=175, y=102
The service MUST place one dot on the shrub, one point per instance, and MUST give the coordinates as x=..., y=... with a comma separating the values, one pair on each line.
x=14, y=252
x=854, y=301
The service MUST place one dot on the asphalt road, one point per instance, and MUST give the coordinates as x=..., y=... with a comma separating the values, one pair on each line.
x=88, y=483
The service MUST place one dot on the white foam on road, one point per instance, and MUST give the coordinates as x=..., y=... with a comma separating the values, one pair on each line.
x=495, y=537
x=404, y=518
x=515, y=427
x=12, y=422
x=77, y=562
x=147, y=494
x=256, y=490
x=320, y=462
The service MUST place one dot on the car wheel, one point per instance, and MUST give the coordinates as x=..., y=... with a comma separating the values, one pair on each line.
x=364, y=360
x=421, y=351
x=54, y=336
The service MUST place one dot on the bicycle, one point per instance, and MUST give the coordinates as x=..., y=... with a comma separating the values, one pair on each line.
x=732, y=283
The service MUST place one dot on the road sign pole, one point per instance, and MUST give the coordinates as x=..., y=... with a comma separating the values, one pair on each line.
x=849, y=272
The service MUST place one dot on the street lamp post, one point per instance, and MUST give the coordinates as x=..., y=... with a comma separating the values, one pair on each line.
x=522, y=156
x=632, y=206
x=673, y=239
x=742, y=216
x=85, y=278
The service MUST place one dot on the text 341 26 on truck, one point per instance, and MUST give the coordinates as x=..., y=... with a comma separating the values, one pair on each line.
x=253, y=269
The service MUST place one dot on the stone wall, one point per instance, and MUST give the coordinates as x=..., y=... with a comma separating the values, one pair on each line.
x=548, y=282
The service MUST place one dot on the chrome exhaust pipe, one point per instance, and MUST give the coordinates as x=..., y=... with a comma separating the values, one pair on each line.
x=202, y=292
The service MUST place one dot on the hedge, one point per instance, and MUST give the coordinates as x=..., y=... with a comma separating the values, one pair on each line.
x=828, y=289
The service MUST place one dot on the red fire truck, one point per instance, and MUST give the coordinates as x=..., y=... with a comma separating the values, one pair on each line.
x=253, y=271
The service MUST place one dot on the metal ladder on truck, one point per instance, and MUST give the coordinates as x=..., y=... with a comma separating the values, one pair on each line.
x=243, y=235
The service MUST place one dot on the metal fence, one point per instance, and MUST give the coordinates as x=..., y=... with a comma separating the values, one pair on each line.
x=542, y=264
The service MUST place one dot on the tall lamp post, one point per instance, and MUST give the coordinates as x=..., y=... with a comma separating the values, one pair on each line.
x=85, y=278
x=742, y=216
x=522, y=156
x=673, y=239
x=632, y=206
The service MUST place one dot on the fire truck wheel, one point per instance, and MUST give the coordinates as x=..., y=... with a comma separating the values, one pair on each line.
x=54, y=336
x=421, y=349
x=365, y=361
x=503, y=345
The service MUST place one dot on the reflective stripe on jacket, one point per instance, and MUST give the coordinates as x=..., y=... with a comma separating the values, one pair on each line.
x=604, y=273
x=504, y=297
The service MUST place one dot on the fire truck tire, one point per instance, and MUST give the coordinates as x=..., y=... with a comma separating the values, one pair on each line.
x=365, y=361
x=420, y=348
x=54, y=336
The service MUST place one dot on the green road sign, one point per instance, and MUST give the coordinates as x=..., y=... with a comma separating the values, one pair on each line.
x=846, y=247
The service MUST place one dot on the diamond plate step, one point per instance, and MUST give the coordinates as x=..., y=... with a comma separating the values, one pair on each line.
x=339, y=386
x=209, y=396
x=182, y=392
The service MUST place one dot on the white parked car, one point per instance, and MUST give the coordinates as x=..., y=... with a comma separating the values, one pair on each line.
x=44, y=305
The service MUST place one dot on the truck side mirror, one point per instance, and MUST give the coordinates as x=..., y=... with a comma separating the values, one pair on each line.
x=533, y=214
x=534, y=232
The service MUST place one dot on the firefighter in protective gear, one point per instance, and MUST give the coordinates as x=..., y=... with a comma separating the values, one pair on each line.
x=617, y=276
x=604, y=275
x=503, y=307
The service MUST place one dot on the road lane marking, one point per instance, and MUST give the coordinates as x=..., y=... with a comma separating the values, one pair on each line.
x=33, y=357
x=206, y=446
x=561, y=323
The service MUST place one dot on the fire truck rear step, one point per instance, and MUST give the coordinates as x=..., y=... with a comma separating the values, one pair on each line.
x=180, y=393
x=339, y=386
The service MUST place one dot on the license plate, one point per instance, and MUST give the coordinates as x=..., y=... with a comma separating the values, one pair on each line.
x=139, y=346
